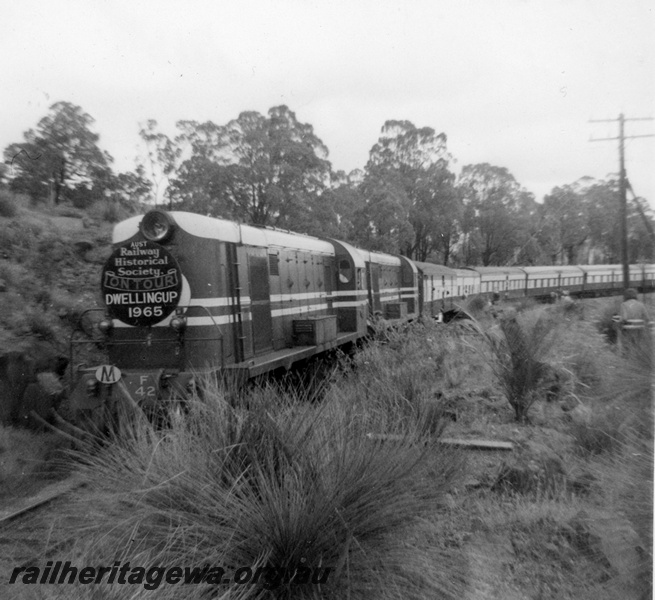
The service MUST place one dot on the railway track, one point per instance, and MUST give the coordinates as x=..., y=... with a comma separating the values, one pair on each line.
x=26, y=526
x=45, y=496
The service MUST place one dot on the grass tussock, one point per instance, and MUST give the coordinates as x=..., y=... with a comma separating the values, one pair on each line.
x=517, y=349
x=277, y=484
x=475, y=305
x=413, y=376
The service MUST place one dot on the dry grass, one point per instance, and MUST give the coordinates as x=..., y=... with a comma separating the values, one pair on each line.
x=275, y=484
x=273, y=479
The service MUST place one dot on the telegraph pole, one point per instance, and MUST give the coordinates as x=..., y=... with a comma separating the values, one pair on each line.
x=623, y=186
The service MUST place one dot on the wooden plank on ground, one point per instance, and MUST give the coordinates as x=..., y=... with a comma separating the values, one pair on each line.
x=468, y=444
x=478, y=444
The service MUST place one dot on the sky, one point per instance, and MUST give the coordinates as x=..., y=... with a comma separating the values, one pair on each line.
x=513, y=83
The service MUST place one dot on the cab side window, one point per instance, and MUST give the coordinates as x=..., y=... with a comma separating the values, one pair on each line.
x=345, y=271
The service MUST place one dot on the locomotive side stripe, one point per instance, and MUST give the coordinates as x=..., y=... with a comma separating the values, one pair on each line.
x=213, y=302
x=193, y=321
x=298, y=310
x=231, y=301
x=349, y=293
x=353, y=304
x=297, y=296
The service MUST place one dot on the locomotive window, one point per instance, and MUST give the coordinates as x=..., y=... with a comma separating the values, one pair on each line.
x=345, y=271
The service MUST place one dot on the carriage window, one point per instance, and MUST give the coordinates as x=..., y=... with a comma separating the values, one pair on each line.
x=345, y=271
x=273, y=264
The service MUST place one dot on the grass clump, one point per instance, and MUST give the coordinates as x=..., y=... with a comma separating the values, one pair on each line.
x=410, y=377
x=517, y=353
x=276, y=484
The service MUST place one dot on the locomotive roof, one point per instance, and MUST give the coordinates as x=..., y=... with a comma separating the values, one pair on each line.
x=379, y=258
x=229, y=231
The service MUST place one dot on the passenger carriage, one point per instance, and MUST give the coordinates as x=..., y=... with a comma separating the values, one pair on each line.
x=436, y=288
x=602, y=279
x=467, y=283
x=642, y=277
x=508, y=282
x=543, y=281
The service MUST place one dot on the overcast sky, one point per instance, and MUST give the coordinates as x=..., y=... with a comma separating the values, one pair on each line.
x=511, y=82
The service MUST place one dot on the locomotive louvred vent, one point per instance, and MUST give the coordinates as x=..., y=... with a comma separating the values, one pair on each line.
x=273, y=264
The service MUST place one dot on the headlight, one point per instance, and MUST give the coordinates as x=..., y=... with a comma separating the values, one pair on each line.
x=157, y=226
x=178, y=322
x=105, y=326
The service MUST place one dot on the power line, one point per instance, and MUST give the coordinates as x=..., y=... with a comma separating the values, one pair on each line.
x=623, y=202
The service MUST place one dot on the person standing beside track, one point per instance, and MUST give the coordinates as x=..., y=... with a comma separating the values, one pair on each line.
x=633, y=321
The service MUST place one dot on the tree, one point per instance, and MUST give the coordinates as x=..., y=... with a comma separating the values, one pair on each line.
x=163, y=155
x=261, y=170
x=4, y=175
x=130, y=189
x=497, y=214
x=411, y=204
x=601, y=200
x=565, y=225
x=61, y=154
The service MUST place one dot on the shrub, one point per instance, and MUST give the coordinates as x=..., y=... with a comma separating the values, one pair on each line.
x=517, y=359
x=525, y=304
x=475, y=304
x=68, y=211
x=8, y=206
x=112, y=213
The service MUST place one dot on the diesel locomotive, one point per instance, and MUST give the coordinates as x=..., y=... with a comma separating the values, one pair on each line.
x=187, y=295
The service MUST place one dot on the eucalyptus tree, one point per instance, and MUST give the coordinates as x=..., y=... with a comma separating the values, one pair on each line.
x=265, y=170
x=498, y=214
x=411, y=203
x=565, y=223
x=61, y=155
x=162, y=158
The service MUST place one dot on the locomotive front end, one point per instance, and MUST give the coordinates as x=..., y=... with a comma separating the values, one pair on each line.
x=144, y=329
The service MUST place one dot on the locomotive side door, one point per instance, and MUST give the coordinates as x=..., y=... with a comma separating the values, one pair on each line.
x=373, y=276
x=260, y=300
